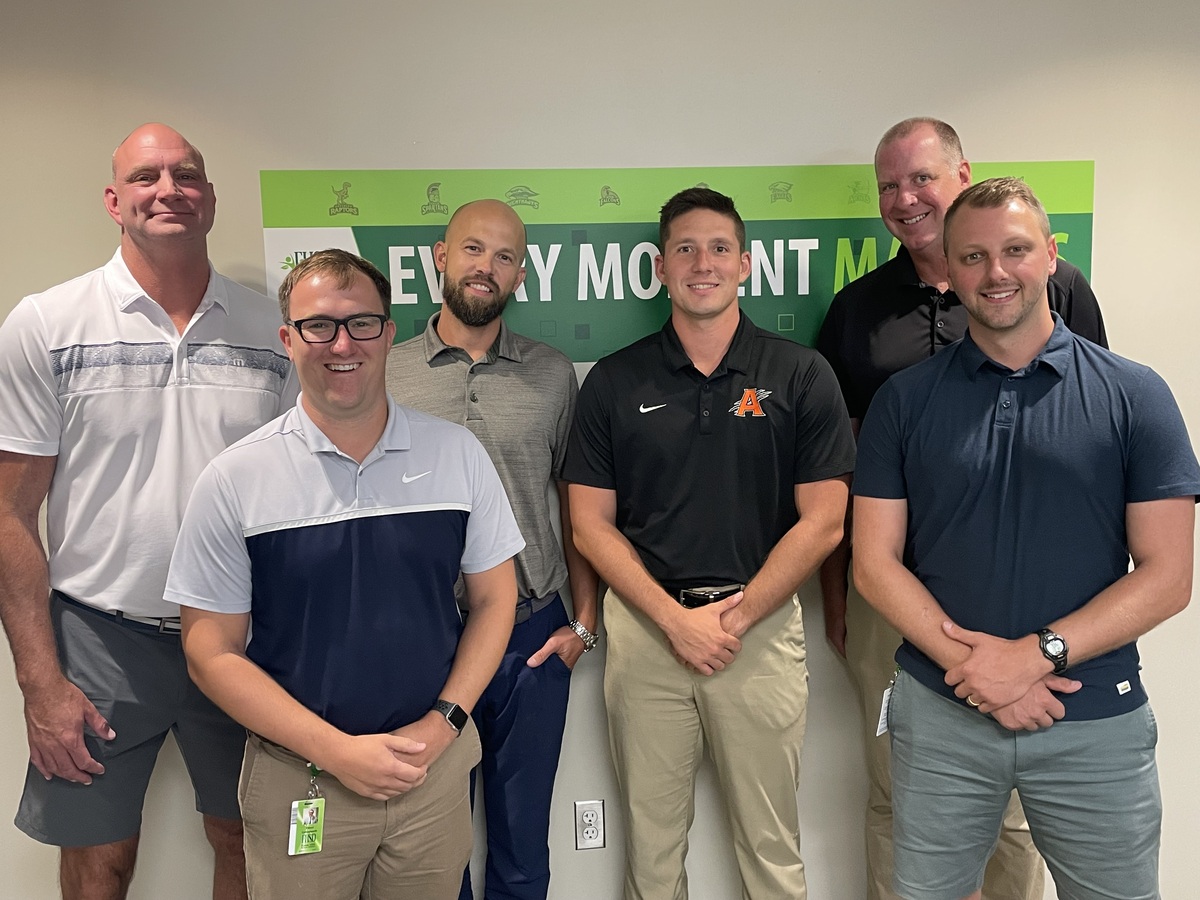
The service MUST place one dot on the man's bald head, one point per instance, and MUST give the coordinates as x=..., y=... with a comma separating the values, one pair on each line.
x=154, y=134
x=496, y=211
x=947, y=137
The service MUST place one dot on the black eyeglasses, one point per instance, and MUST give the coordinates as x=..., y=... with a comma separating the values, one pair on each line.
x=323, y=330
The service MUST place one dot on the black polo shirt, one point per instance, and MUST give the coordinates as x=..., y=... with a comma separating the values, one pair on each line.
x=705, y=468
x=889, y=319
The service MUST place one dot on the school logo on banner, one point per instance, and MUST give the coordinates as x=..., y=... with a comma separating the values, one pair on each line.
x=520, y=195
x=342, y=206
x=433, y=194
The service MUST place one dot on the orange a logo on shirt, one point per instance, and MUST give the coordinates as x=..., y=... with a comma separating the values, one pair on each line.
x=751, y=403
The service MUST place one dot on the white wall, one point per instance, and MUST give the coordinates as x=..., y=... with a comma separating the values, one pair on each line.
x=548, y=84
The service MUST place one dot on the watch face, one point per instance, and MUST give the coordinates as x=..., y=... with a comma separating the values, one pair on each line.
x=455, y=714
x=1054, y=646
x=458, y=718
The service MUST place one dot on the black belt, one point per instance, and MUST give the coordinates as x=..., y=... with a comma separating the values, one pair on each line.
x=695, y=597
x=527, y=606
x=161, y=624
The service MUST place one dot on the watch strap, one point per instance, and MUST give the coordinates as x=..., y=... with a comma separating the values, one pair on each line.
x=589, y=638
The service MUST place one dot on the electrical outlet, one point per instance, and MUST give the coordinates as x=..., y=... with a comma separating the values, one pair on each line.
x=589, y=824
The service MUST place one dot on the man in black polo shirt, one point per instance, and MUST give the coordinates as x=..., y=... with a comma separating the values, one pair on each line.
x=889, y=319
x=710, y=455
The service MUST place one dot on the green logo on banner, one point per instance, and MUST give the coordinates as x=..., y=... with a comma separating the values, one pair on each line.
x=433, y=194
x=342, y=207
x=521, y=196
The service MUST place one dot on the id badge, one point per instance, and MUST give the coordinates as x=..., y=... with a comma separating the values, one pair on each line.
x=885, y=708
x=308, y=826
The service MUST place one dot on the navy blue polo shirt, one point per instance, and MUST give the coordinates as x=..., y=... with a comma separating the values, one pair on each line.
x=705, y=469
x=1017, y=484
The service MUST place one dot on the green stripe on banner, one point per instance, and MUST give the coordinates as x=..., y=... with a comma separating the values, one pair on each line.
x=318, y=198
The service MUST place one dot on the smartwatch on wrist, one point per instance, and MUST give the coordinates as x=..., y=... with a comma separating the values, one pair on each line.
x=1054, y=648
x=455, y=714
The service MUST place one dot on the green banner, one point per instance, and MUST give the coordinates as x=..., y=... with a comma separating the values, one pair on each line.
x=590, y=287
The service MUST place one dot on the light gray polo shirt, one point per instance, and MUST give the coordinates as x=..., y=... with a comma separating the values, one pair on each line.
x=518, y=400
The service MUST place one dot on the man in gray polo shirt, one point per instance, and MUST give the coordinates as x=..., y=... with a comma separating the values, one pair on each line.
x=518, y=397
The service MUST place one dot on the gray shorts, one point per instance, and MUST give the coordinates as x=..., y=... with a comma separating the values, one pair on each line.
x=138, y=680
x=1089, y=788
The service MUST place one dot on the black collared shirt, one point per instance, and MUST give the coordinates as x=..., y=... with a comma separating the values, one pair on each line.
x=888, y=319
x=705, y=468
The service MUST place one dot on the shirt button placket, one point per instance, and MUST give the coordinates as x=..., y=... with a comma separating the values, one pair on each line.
x=472, y=403
x=706, y=399
x=1006, y=404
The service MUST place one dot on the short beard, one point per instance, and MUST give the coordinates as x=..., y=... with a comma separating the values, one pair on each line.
x=473, y=315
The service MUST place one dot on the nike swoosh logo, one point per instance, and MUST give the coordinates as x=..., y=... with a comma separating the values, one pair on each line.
x=407, y=480
x=645, y=409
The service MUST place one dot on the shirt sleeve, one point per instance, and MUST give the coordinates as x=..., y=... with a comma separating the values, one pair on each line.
x=1161, y=462
x=492, y=532
x=590, y=450
x=31, y=418
x=879, y=471
x=824, y=441
x=210, y=567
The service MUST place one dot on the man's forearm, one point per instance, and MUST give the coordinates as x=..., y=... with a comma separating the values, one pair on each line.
x=907, y=605
x=834, y=576
x=480, y=650
x=1126, y=610
x=492, y=602
x=252, y=698
x=24, y=576
x=791, y=562
x=580, y=574
x=614, y=559
x=24, y=606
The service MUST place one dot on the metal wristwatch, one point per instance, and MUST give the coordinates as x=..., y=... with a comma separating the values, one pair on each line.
x=1054, y=648
x=589, y=639
x=455, y=714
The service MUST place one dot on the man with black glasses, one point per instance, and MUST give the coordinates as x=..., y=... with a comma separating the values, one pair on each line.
x=333, y=537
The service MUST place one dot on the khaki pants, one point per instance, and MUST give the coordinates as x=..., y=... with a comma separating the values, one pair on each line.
x=412, y=847
x=750, y=716
x=1015, y=871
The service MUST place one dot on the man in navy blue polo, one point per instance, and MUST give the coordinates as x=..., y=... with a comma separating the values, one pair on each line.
x=1002, y=488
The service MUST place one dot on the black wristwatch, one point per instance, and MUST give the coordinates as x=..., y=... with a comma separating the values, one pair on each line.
x=455, y=714
x=1054, y=648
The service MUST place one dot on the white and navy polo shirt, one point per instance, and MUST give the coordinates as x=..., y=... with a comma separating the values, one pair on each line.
x=347, y=570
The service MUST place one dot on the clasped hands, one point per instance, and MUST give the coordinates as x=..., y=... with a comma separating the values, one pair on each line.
x=1007, y=679
x=707, y=639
